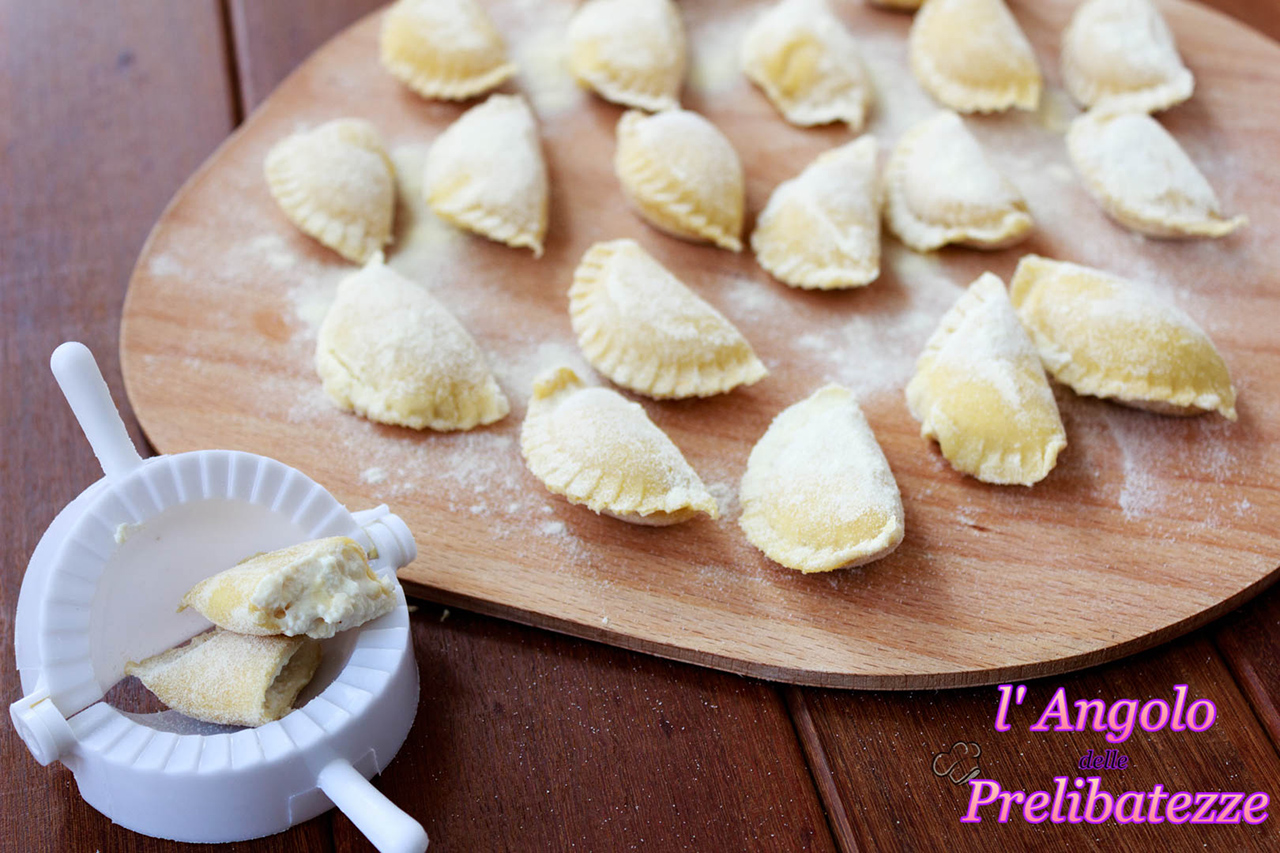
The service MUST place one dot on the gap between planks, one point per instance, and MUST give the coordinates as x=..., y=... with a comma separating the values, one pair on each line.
x=815, y=755
x=1240, y=665
x=236, y=59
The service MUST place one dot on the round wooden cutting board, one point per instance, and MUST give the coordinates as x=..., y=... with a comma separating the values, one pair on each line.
x=1148, y=527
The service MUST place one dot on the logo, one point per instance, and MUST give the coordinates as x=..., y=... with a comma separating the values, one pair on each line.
x=959, y=763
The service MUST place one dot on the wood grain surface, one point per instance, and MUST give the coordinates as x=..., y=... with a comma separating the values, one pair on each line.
x=990, y=583
x=92, y=153
x=881, y=747
x=565, y=745
x=104, y=119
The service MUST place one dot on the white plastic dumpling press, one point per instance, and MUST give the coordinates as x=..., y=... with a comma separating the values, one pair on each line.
x=102, y=588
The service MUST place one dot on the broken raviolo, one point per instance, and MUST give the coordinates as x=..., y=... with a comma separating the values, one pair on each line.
x=231, y=679
x=972, y=56
x=1143, y=179
x=821, y=229
x=818, y=494
x=645, y=330
x=316, y=589
x=682, y=175
x=597, y=448
x=336, y=183
x=389, y=351
x=940, y=189
x=1105, y=336
x=979, y=391
x=631, y=52
x=486, y=173
x=808, y=65
x=1118, y=55
x=444, y=48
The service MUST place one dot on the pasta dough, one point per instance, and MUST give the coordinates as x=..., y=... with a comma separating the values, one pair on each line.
x=1143, y=179
x=821, y=229
x=389, y=351
x=231, y=679
x=682, y=175
x=443, y=48
x=818, y=494
x=972, y=56
x=1105, y=336
x=942, y=189
x=808, y=65
x=597, y=448
x=980, y=392
x=317, y=588
x=486, y=173
x=631, y=52
x=1119, y=56
x=641, y=327
x=337, y=185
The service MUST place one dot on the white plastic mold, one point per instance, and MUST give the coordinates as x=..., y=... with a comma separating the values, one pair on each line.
x=102, y=588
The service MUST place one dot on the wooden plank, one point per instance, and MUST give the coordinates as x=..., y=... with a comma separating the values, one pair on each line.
x=106, y=112
x=1250, y=643
x=273, y=36
x=1250, y=639
x=881, y=749
x=527, y=740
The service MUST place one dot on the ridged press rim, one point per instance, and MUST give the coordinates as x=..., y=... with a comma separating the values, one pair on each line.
x=159, y=484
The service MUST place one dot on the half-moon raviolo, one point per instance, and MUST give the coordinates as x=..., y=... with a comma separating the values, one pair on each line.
x=644, y=329
x=979, y=391
x=596, y=448
x=1118, y=55
x=486, y=173
x=682, y=175
x=821, y=229
x=972, y=56
x=631, y=52
x=445, y=49
x=231, y=679
x=390, y=351
x=336, y=183
x=940, y=188
x=1105, y=336
x=808, y=65
x=818, y=494
x=1143, y=179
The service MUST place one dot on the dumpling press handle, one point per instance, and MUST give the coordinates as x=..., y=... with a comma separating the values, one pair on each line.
x=382, y=822
x=90, y=400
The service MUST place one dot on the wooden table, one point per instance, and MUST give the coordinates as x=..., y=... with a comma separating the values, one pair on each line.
x=525, y=740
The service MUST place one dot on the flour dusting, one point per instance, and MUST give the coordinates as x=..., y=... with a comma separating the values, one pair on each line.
x=871, y=353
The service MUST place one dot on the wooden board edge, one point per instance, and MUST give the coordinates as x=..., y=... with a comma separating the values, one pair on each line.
x=844, y=680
